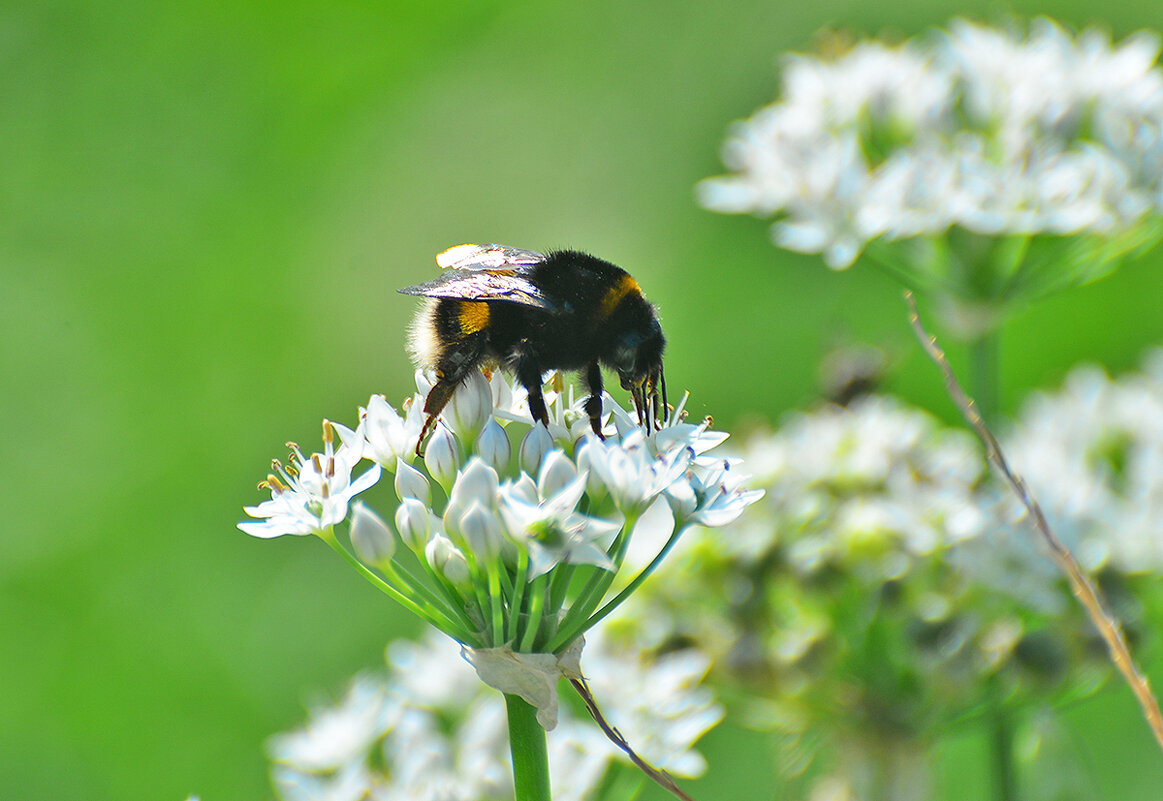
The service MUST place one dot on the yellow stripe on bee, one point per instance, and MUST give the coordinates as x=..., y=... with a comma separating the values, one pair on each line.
x=473, y=316
x=625, y=286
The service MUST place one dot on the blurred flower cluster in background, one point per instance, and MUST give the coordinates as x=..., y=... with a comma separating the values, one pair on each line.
x=984, y=165
x=429, y=729
x=887, y=591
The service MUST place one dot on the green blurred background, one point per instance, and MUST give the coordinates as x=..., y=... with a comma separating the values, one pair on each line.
x=205, y=210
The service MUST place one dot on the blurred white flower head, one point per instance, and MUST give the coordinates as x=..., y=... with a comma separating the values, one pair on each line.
x=882, y=588
x=872, y=485
x=339, y=734
x=1092, y=453
x=429, y=729
x=1041, y=139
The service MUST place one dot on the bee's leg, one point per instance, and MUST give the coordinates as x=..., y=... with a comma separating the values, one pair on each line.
x=656, y=412
x=437, y=399
x=529, y=374
x=665, y=406
x=642, y=401
x=454, y=366
x=594, y=401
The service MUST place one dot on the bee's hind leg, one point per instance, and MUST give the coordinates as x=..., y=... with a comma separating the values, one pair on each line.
x=454, y=366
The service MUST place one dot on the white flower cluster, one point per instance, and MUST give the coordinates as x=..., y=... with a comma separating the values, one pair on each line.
x=470, y=451
x=858, y=498
x=887, y=587
x=309, y=494
x=428, y=730
x=1092, y=454
x=879, y=576
x=983, y=129
x=500, y=534
x=873, y=486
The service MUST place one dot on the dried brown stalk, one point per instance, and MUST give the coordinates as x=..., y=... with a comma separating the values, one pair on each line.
x=662, y=778
x=1084, y=589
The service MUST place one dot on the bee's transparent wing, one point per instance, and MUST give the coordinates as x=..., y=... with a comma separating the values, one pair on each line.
x=487, y=257
x=482, y=284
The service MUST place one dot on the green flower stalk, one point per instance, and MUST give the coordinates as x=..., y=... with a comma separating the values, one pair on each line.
x=515, y=553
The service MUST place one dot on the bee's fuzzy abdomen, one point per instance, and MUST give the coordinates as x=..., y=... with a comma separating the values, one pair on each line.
x=424, y=342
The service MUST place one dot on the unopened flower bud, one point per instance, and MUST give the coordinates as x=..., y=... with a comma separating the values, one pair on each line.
x=442, y=456
x=556, y=472
x=493, y=445
x=444, y=556
x=370, y=536
x=482, y=531
x=595, y=487
x=413, y=523
x=411, y=483
x=477, y=482
x=534, y=446
x=471, y=406
x=502, y=393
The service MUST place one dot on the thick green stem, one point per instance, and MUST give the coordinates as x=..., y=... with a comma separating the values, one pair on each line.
x=530, y=755
x=1004, y=770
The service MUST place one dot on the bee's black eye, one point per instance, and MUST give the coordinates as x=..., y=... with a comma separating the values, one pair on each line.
x=624, y=360
x=626, y=354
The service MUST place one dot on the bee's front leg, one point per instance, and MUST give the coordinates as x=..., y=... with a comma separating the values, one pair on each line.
x=529, y=374
x=594, y=401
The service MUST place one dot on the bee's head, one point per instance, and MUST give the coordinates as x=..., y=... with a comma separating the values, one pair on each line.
x=638, y=355
x=637, y=358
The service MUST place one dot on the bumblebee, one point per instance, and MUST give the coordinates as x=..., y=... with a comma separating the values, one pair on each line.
x=528, y=313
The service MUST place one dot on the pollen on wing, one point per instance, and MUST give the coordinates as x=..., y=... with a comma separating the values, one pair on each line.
x=423, y=342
